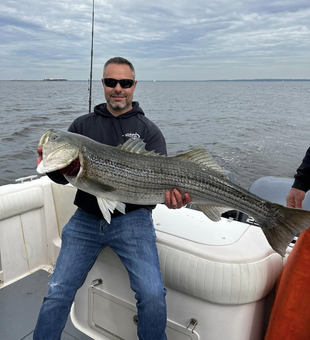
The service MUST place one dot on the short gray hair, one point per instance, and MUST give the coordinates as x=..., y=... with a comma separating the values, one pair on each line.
x=120, y=61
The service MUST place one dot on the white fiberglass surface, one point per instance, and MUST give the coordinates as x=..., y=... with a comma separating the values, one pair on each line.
x=195, y=226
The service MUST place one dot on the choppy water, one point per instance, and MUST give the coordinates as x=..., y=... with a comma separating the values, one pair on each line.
x=254, y=129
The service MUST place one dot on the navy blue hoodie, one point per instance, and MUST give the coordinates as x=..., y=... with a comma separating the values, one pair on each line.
x=302, y=178
x=103, y=127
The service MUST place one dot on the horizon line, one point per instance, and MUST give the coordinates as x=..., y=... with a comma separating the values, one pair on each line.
x=191, y=80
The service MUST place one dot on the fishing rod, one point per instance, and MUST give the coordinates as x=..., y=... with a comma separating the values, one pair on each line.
x=91, y=58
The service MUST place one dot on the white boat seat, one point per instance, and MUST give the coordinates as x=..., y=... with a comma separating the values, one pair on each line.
x=20, y=202
x=241, y=271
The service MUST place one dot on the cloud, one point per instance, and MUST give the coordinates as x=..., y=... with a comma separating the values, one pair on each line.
x=184, y=40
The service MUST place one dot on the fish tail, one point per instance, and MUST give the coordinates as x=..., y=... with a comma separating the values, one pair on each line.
x=282, y=225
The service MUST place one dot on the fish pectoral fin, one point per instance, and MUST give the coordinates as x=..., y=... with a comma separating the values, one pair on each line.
x=108, y=206
x=213, y=212
x=203, y=158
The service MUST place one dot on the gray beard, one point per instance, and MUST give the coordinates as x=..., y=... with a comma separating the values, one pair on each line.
x=117, y=106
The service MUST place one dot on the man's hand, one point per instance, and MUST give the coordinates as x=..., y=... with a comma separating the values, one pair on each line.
x=294, y=198
x=174, y=199
x=39, y=150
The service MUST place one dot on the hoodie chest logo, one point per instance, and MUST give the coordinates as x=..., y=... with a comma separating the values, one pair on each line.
x=132, y=135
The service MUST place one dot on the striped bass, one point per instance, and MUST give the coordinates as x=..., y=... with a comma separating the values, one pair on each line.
x=130, y=174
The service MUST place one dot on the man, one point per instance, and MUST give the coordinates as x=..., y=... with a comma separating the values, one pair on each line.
x=301, y=184
x=131, y=236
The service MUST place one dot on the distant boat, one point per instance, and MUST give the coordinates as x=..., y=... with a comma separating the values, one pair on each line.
x=54, y=79
x=154, y=81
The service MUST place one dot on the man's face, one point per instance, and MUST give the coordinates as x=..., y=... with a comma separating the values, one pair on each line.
x=119, y=99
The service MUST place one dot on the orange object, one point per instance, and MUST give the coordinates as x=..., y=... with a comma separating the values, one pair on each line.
x=290, y=314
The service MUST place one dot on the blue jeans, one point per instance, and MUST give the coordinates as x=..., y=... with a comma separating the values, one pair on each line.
x=132, y=237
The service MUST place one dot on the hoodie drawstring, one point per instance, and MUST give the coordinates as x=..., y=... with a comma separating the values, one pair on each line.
x=115, y=131
x=120, y=123
x=118, y=139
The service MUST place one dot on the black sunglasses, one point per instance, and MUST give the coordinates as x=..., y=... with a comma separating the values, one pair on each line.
x=125, y=83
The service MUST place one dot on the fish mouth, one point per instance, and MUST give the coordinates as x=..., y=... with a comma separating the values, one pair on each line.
x=48, y=163
x=73, y=169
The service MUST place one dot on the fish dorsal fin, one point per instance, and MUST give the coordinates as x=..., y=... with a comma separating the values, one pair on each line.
x=136, y=146
x=204, y=159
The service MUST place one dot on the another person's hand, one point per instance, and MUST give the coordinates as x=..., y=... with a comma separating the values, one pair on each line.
x=294, y=198
x=39, y=150
x=174, y=199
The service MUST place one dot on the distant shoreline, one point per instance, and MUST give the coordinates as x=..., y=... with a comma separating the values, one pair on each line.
x=55, y=79
x=183, y=81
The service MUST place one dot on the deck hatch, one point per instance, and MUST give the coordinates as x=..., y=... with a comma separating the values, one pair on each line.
x=115, y=318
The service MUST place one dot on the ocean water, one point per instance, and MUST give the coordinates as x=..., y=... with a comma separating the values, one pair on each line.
x=252, y=128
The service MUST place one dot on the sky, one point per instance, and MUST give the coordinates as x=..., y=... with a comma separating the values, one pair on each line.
x=165, y=40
